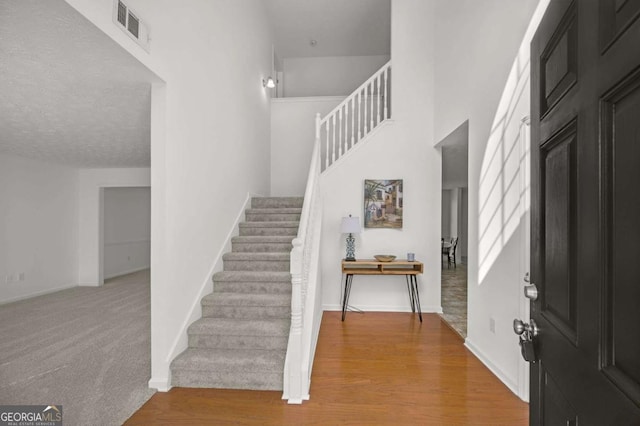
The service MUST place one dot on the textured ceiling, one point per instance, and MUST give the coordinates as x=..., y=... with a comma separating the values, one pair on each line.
x=68, y=93
x=340, y=27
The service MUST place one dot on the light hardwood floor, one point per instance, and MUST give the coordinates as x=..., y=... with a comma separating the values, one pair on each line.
x=372, y=369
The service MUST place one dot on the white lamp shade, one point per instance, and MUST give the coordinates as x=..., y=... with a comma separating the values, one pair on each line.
x=350, y=225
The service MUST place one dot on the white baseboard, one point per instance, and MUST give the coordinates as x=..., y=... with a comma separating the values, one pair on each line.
x=130, y=271
x=37, y=293
x=296, y=401
x=426, y=309
x=162, y=385
x=513, y=387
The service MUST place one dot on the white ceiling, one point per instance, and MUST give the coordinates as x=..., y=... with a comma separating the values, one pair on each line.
x=340, y=27
x=68, y=93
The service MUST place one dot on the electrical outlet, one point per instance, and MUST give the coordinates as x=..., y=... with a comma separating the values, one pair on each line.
x=21, y=276
x=492, y=325
x=128, y=258
x=7, y=279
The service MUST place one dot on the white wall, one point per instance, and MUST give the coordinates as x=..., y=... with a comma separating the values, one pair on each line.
x=454, y=211
x=127, y=230
x=486, y=37
x=401, y=150
x=454, y=218
x=38, y=235
x=464, y=231
x=446, y=214
x=292, y=139
x=209, y=143
x=329, y=75
x=91, y=184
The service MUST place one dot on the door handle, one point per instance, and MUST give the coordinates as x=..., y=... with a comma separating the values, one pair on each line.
x=520, y=327
x=526, y=333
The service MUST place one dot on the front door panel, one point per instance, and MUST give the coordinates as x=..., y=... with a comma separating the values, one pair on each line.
x=585, y=219
x=558, y=186
x=621, y=152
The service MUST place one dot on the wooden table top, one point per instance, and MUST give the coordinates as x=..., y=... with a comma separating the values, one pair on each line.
x=375, y=267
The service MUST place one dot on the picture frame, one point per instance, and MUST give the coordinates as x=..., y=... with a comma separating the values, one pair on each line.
x=383, y=203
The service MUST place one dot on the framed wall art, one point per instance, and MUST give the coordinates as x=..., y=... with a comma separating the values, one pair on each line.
x=383, y=203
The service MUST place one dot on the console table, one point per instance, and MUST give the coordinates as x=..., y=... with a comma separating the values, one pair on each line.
x=373, y=267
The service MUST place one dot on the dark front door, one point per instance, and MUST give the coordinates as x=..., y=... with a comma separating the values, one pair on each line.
x=585, y=60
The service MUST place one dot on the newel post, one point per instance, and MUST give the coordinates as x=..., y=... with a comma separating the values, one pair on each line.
x=318, y=119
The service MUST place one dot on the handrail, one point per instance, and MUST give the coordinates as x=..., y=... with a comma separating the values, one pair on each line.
x=355, y=117
x=305, y=272
x=306, y=283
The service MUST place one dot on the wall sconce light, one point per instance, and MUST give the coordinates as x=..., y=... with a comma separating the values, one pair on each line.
x=268, y=83
x=350, y=225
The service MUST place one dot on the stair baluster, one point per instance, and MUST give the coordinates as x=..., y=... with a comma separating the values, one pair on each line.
x=333, y=153
x=371, y=105
x=353, y=114
x=359, y=115
x=318, y=129
x=340, y=132
x=365, y=110
x=386, y=85
x=378, y=108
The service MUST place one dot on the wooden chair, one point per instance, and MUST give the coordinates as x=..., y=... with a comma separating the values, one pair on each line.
x=449, y=251
x=445, y=251
x=452, y=251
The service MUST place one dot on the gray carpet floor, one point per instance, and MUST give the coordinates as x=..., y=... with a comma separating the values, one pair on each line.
x=85, y=348
x=454, y=297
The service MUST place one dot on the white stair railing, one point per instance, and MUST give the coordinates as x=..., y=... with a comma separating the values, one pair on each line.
x=338, y=132
x=306, y=308
x=356, y=116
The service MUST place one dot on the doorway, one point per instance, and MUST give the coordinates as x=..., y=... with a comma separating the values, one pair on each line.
x=126, y=242
x=454, y=225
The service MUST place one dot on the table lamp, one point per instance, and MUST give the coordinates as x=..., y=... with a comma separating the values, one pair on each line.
x=350, y=225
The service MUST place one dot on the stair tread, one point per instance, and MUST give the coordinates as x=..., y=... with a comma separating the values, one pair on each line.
x=284, y=239
x=267, y=224
x=237, y=327
x=245, y=361
x=275, y=256
x=275, y=210
x=252, y=276
x=269, y=202
x=246, y=299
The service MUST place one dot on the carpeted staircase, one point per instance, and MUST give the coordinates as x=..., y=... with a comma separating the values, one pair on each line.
x=241, y=340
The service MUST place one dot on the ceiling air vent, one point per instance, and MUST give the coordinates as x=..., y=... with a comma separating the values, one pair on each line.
x=122, y=14
x=133, y=25
x=127, y=20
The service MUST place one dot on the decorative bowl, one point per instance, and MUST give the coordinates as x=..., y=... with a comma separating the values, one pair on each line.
x=384, y=257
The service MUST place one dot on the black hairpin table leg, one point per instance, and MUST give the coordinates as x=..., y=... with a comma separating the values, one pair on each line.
x=410, y=291
x=347, y=290
x=415, y=296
